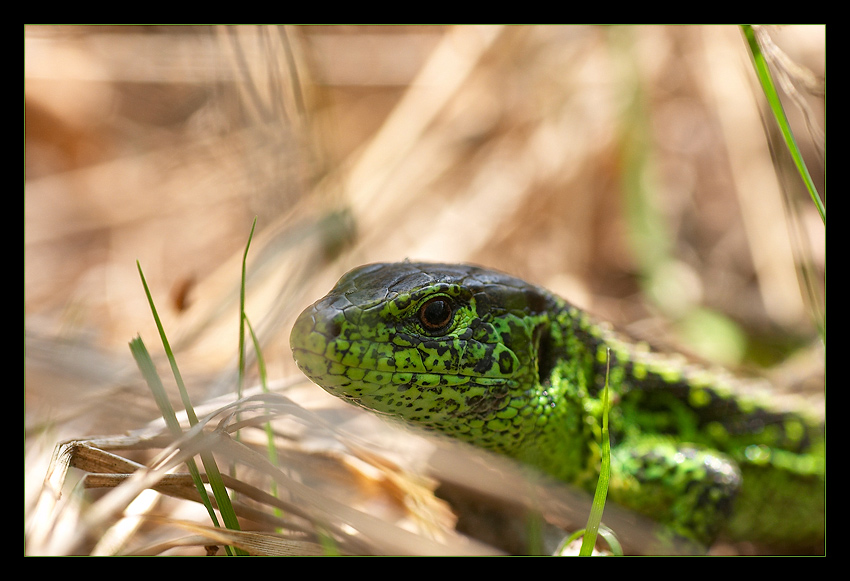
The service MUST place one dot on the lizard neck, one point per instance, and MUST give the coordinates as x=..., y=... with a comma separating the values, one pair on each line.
x=565, y=444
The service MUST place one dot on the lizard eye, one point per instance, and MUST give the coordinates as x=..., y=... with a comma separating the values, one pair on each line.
x=436, y=314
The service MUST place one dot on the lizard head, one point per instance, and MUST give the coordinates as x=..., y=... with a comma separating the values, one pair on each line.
x=455, y=348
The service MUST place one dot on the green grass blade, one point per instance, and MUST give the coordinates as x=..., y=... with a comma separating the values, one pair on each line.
x=611, y=539
x=261, y=366
x=593, y=521
x=148, y=370
x=261, y=362
x=766, y=81
x=241, y=379
x=181, y=387
x=214, y=478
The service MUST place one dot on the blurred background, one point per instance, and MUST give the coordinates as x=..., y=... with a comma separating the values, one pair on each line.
x=633, y=170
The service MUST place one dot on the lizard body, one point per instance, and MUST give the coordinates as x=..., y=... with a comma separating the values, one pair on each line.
x=510, y=367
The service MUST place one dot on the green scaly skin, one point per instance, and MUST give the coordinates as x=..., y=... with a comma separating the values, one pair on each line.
x=507, y=366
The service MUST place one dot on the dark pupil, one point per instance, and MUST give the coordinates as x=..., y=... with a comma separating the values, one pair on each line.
x=435, y=314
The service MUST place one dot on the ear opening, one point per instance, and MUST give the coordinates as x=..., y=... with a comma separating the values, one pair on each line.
x=543, y=347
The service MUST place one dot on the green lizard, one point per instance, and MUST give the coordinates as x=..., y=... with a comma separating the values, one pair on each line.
x=510, y=367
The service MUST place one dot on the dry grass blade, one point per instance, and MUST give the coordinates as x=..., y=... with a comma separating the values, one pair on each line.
x=254, y=543
x=353, y=530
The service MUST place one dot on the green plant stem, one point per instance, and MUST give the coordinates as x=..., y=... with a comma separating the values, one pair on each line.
x=775, y=103
x=214, y=478
x=592, y=530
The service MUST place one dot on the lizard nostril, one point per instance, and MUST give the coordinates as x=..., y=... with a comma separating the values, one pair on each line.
x=334, y=329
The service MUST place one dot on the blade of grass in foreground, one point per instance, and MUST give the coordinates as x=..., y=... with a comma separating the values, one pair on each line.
x=261, y=363
x=328, y=545
x=595, y=518
x=760, y=63
x=242, y=317
x=148, y=370
x=261, y=366
x=594, y=526
x=769, y=89
x=146, y=366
